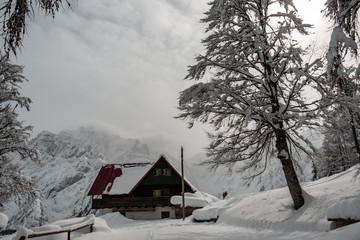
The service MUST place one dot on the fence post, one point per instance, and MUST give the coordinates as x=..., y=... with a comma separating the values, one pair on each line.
x=69, y=235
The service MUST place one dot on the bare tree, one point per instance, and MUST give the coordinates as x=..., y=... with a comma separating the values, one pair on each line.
x=252, y=88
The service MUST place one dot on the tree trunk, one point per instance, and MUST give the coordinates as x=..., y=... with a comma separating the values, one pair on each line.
x=355, y=137
x=289, y=170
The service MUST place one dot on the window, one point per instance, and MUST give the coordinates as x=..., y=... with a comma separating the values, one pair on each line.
x=167, y=172
x=157, y=172
x=157, y=193
x=166, y=192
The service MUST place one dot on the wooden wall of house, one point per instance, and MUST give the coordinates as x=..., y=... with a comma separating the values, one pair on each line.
x=148, y=190
x=170, y=184
x=153, y=179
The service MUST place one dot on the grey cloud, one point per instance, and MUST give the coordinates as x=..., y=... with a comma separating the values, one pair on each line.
x=118, y=64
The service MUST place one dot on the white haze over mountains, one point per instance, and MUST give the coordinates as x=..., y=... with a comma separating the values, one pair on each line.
x=72, y=159
x=92, y=144
x=120, y=65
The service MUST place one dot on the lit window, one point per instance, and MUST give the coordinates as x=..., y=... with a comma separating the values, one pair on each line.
x=167, y=172
x=157, y=193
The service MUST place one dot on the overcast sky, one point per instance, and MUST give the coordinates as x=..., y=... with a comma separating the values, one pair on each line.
x=118, y=65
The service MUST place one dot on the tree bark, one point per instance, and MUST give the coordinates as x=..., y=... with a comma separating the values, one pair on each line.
x=289, y=170
x=355, y=137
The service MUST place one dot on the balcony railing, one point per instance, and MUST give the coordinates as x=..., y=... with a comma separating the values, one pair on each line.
x=130, y=202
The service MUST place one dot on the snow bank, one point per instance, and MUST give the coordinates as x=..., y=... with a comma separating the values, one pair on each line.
x=197, y=199
x=209, y=214
x=345, y=209
x=3, y=221
x=212, y=212
x=115, y=220
x=274, y=209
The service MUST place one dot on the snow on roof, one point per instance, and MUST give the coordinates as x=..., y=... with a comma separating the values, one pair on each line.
x=116, y=179
x=104, y=179
x=130, y=177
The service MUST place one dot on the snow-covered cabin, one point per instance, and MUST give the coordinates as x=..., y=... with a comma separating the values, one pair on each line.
x=139, y=190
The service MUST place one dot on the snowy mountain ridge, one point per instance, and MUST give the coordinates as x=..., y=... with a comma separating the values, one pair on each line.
x=70, y=162
x=92, y=143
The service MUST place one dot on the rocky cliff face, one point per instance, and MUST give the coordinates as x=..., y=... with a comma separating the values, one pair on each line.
x=70, y=163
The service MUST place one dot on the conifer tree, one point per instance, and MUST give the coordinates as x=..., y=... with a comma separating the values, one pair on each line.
x=13, y=134
x=342, y=75
x=344, y=13
x=338, y=145
x=15, y=14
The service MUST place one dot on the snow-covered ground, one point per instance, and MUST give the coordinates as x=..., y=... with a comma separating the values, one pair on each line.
x=265, y=215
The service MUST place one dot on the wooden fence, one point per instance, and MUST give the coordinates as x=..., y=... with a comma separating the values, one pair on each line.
x=88, y=221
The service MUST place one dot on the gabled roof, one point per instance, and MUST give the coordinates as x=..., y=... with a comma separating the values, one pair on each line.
x=162, y=158
x=106, y=176
x=116, y=179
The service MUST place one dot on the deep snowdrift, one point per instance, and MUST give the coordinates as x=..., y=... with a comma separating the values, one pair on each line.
x=273, y=209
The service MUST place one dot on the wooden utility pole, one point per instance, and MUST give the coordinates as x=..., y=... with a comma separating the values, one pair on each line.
x=182, y=183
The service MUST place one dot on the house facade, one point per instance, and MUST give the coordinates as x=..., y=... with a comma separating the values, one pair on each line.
x=139, y=190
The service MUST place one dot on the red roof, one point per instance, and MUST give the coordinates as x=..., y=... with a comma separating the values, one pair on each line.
x=106, y=175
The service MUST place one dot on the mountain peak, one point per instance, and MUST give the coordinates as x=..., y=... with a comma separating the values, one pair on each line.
x=92, y=143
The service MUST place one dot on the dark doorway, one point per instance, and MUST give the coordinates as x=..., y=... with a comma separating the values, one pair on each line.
x=165, y=215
